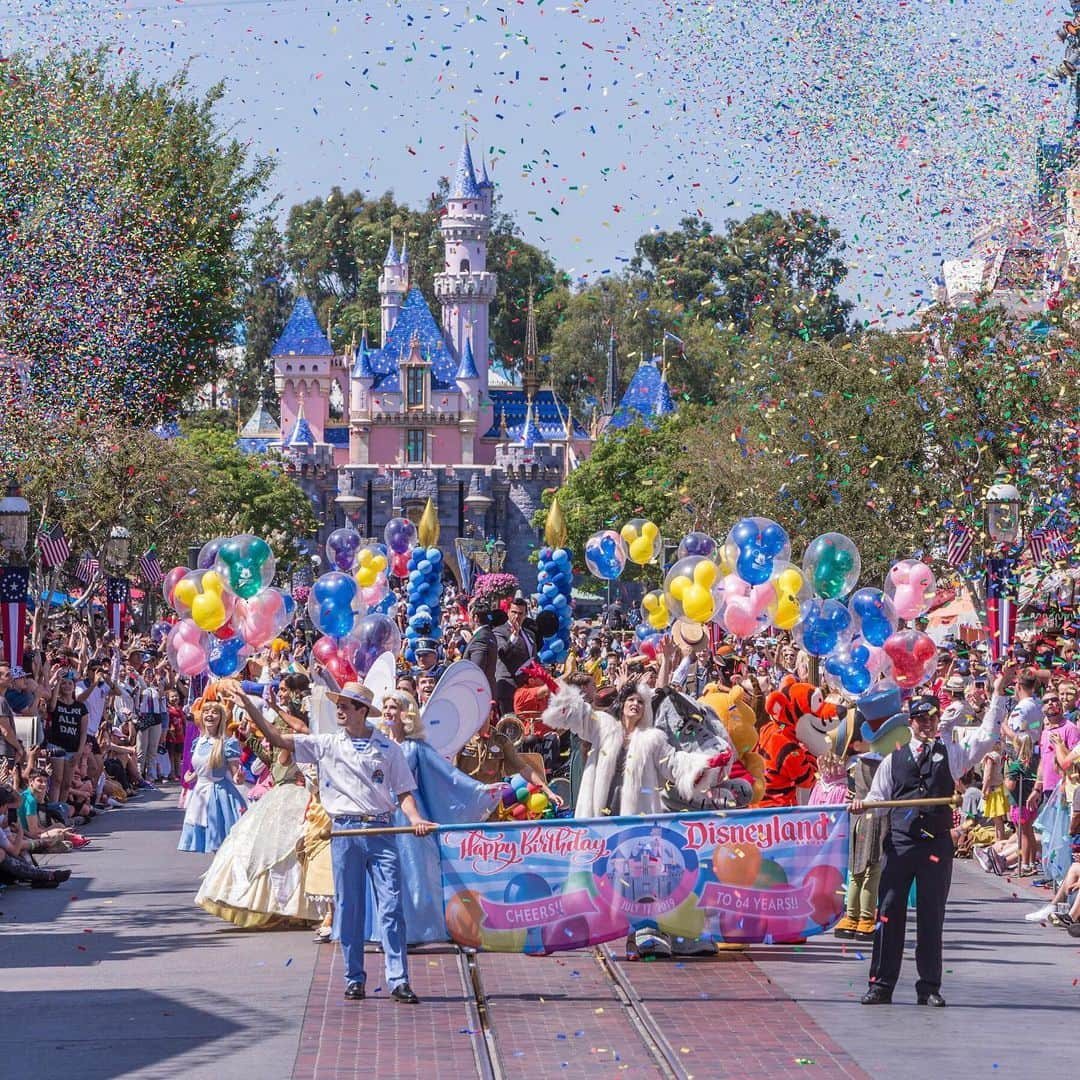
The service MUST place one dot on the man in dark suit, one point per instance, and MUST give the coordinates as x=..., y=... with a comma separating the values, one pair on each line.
x=483, y=647
x=517, y=646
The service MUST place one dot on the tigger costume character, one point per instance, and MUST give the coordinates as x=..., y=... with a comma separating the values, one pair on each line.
x=792, y=737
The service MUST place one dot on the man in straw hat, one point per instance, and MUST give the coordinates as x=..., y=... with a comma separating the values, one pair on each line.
x=363, y=777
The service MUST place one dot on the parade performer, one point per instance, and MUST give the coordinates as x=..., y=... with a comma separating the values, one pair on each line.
x=735, y=712
x=443, y=794
x=791, y=739
x=257, y=877
x=363, y=778
x=918, y=846
x=214, y=805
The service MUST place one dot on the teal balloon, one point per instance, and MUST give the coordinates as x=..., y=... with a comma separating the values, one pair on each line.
x=831, y=573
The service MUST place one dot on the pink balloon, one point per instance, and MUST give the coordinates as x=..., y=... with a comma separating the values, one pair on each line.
x=190, y=659
x=910, y=585
x=745, y=605
x=259, y=619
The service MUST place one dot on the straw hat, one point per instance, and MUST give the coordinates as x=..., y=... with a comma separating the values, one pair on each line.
x=358, y=694
x=688, y=635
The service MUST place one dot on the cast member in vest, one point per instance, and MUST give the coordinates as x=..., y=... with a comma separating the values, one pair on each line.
x=918, y=846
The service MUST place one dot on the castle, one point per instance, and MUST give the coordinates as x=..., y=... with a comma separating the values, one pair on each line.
x=376, y=432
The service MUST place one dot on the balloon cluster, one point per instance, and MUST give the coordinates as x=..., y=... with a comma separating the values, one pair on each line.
x=400, y=537
x=228, y=609
x=555, y=578
x=523, y=801
x=607, y=552
x=424, y=568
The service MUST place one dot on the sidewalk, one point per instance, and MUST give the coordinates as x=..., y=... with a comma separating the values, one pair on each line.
x=118, y=974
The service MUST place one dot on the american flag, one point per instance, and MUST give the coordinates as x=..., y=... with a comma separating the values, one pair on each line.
x=87, y=569
x=1045, y=542
x=150, y=568
x=14, y=583
x=116, y=597
x=960, y=541
x=53, y=546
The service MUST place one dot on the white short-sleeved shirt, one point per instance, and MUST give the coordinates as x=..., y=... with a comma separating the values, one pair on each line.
x=95, y=706
x=356, y=782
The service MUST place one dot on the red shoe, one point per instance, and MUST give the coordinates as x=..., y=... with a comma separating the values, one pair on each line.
x=78, y=841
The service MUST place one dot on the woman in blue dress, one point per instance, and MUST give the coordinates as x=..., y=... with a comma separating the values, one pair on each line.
x=214, y=805
x=443, y=794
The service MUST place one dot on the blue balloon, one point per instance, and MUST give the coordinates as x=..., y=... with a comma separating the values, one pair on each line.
x=226, y=657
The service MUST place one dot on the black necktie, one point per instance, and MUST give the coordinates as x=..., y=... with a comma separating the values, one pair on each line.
x=924, y=753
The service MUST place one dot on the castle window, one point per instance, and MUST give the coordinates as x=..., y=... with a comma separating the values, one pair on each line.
x=414, y=387
x=414, y=446
x=464, y=267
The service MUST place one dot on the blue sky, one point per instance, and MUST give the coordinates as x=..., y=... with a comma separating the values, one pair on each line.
x=909, y=122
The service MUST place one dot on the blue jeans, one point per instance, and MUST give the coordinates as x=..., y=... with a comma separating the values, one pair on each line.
x=354, y=858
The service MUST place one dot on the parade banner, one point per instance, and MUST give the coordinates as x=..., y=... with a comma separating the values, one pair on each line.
x=768, y=875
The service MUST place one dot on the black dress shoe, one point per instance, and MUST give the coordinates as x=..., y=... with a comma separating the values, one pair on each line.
x=403, y=993
x=355, y=992
x=877, y=995
x=935, y=1001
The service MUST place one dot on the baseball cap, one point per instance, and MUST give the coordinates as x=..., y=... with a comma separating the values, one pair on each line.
x=17, y=672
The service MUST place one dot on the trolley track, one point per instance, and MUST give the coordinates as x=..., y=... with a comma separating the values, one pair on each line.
x=522, y=1011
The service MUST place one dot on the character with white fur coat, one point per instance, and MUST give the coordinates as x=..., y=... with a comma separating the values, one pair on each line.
x=651, y=762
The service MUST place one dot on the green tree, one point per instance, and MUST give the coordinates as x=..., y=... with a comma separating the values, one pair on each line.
x=123, y=214
x=769, y=271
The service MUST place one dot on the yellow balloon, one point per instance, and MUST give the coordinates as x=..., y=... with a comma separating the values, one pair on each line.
x=650, y=531
x=678, y=586
x=705, y=574
x=208, y=612
x=365, y=557
x=628, y=533
x=641, y=550
x=184, y=593
x=212, y=582
x=378, y=564
x=787, y=585
x=698, y=603
x=366, y=577
x=537, y=802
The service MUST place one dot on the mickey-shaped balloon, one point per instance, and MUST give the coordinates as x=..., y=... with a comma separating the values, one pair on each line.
x=400, y=535
x=654, y=611
x=342, y=547
x=643, y=541
x=697, y=543
x=187, y=648
x=330, y=604
x=822, y=626
x=914, y=657
x=910, y=586
x=606, y=554
x=873, y=615
x=226, y=658
x=335, y=656
x=246, y=563
x=259, y=620
x=790, y=590
x=201, y=595
x=370, y=565
x=688, y=588
x=832, y=564
x=746, y=607
x=760, y=542
x=847, y=668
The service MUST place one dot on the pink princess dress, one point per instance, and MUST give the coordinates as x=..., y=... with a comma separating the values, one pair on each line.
x=831, y=787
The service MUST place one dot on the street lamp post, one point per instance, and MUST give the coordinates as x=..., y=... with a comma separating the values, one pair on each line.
x=116, y=557
x=1004, y=528
x=15, y=574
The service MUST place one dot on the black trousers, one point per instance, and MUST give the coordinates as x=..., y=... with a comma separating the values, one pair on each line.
x=929, y=866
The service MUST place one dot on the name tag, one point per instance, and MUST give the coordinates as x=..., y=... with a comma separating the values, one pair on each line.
x=937, y=757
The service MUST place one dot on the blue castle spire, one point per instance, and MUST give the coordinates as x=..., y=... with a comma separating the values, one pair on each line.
x=467, y=367
x=391, y=253
x=464, y=185
x=362, y=369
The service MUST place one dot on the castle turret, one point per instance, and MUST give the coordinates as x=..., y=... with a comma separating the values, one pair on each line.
x=393, y=285
x=465, y=288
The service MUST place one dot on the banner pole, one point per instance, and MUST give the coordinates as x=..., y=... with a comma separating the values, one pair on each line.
x=402, y=830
